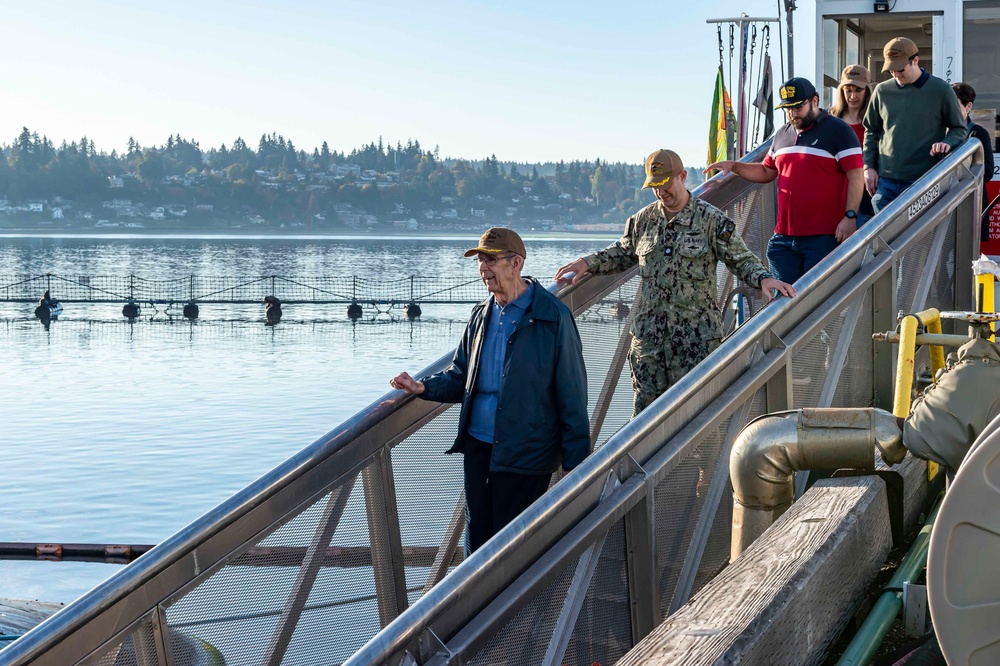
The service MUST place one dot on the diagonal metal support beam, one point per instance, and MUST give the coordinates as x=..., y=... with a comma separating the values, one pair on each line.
x=577, y=591
x=839, y=357
x=843, y=343
x=747, y=209
x=716, y=489
x=933, y=256
x=303, y=584
x=640, y=555
x=446, y=551
x=152, y=649
x=614, y=373
x=384, y=537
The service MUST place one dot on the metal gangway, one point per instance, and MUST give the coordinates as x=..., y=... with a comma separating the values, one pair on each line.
x=322, y=560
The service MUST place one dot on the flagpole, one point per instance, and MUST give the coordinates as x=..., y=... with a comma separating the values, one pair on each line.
x=789, y=8
x=741, y=140
x=743, y=23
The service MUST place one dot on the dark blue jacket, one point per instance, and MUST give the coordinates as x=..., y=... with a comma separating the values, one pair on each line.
x=542, y=405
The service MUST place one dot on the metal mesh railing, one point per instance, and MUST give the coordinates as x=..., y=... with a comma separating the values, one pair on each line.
x=603, y=629
x=137, y=649
x=331, y=557
x=815, y=350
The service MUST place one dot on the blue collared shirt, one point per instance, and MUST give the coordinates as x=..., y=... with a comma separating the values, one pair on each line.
x=502, y=322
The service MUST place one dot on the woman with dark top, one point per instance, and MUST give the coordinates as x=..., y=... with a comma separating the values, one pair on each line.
x=966, y=96
x=853, y=95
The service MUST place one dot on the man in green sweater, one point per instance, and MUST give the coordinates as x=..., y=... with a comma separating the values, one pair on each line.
x=912, y=121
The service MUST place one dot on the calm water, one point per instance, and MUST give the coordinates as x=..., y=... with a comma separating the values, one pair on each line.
x=124, y=433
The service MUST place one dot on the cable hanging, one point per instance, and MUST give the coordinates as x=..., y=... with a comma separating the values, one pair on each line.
x=755, y=82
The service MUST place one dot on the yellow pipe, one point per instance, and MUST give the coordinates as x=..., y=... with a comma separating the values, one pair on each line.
x=932, y=320
x=989, y=305
x=904, y=368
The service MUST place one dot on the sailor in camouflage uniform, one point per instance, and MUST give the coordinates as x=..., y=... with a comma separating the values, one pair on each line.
x=677, y=242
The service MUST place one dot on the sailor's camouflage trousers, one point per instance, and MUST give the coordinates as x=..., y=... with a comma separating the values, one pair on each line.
x=655, y=367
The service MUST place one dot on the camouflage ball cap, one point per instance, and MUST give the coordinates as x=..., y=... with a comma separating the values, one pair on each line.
x=661, y=166
x=897, y=54
x=498, y=240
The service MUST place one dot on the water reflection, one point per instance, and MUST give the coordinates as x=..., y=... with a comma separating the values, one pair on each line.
x=150, y=422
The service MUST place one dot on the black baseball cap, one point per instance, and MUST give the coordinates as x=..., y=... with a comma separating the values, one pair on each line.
x=796, y=92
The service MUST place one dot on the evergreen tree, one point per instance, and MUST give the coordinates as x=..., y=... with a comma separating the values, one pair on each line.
x=597, y=184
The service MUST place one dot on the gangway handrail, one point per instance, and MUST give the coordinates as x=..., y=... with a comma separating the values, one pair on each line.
x=588, y=478
x=115, y=607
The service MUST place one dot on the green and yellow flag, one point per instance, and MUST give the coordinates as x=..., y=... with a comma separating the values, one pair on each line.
x=720, y=132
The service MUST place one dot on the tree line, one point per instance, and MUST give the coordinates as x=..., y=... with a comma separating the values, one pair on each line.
x=280, y=180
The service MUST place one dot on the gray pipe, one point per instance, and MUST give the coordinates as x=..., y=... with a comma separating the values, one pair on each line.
x=770, y=449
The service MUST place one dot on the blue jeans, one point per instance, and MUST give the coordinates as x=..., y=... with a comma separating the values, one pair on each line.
x=791, y=256
x=887, y=191
x=862, y=218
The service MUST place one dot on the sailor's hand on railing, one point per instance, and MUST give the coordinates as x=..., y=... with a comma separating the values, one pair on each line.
x=404, y=382
x=770, y=285
x=579, y=267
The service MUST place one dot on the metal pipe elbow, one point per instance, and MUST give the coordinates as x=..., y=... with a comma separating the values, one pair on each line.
x=770, y=449
x=761, y=466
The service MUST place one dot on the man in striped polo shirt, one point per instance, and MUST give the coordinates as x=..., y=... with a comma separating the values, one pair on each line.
x=816, y=159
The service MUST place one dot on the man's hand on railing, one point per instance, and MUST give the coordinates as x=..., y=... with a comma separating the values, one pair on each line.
x=404, y=382
x=871, y=180
x=940, y=148
x=725, y=166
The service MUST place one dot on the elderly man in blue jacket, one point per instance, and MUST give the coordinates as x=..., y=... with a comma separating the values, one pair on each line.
x=520, y=377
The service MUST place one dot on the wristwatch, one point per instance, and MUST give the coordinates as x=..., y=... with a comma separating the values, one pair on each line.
x=851, y=215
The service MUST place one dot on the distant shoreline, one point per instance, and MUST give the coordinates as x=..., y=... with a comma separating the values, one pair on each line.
x=283, y=235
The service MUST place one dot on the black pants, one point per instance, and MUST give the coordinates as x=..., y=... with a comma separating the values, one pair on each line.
x=493, y=499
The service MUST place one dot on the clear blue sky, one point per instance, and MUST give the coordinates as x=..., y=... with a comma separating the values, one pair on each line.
x=526, y=80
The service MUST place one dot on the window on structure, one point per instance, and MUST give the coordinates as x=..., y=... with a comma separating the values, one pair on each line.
x=831, y=60
x=852, y=44
x=981, y=59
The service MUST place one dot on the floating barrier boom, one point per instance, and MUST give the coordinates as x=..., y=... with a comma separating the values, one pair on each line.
x=237, y=290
